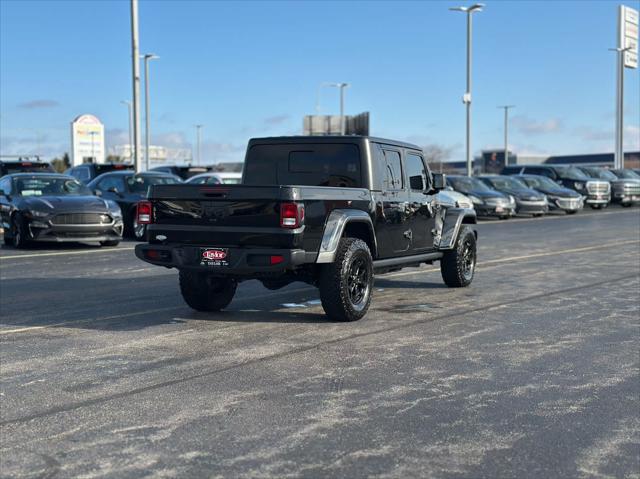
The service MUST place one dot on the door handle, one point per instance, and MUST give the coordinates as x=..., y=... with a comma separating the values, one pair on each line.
x=408, y=234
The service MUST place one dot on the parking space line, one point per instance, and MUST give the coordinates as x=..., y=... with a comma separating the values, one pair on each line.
x=574, y=217
x=67, y=253
x=309, y=289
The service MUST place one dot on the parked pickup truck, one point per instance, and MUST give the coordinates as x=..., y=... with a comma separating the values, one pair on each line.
x=329, y=211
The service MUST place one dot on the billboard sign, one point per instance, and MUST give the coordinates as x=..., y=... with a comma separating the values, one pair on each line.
x=628, y=28
x=87, y=140
x=318, y=125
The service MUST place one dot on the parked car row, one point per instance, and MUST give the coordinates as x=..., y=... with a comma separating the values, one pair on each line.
x=89, y=203
x=537, y=189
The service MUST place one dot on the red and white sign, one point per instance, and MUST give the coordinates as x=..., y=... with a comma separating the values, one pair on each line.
x=214, y=254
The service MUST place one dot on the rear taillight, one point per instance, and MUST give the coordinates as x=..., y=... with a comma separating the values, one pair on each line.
x=144, y=213
x=291, y=215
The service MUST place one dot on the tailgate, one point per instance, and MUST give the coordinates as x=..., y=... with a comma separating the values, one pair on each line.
x=221, y=215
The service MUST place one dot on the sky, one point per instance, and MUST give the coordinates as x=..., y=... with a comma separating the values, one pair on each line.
x=245, y=69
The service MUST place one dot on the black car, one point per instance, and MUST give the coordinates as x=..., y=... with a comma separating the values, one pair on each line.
x=329, y=211
x=528, y=200
x=127, y=188
x=558, y=197
x=183, y=172
x=597, y=193
x=24, y=165
x=53, y=207
x=88, y=171
x=486, y=200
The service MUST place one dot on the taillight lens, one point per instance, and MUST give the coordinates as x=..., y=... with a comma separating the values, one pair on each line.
x=291, y=215
x=144, y=214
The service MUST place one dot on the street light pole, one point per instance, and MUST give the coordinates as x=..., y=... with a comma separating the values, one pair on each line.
x=506, y=132
x=618, y=161
x=342, y=86
x=467, y=96
x=147, y=134
x=198, y=127
x=128, y=103
x=135, y=56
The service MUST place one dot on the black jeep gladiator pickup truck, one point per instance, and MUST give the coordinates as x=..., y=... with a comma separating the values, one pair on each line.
x=329, y=211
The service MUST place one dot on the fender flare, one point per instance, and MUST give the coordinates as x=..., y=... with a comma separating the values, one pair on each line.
x=334, y=228
x=449, y=222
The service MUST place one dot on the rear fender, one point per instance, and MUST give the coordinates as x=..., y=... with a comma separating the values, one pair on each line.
x=448, y=224
x=334, y=229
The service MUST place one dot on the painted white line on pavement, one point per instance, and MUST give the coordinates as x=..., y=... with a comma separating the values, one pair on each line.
x=557, y=217
x=67, y=253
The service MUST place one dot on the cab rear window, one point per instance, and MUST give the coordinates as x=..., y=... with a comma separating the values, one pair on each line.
x=326, y=164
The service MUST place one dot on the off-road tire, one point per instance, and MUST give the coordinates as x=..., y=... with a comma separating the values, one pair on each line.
x=456, y=266
x=110, y=243
x=205, y=293
x=346, y=284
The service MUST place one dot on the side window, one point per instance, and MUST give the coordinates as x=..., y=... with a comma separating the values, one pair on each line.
x=81, y=173
x=416, y=172
x=111, y=182
x=393, y=171
x=5, y=186
x=539, y=171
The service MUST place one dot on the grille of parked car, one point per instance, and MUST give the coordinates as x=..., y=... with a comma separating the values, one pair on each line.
x=497, y=201
x=632, y=189
x=81, y=219
x=596, y=187
x=568, y=203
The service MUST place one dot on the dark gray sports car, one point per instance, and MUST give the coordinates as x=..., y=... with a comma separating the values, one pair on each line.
x=52, y=207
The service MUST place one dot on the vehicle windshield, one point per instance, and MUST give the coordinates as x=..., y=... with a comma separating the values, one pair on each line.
x=468, y=185
x=540, y=182
x=572, y=173
x=506, y=183
x=231, y=181
x=140, y=184
x=627, y=174
x=601, y=174
x=43, y=186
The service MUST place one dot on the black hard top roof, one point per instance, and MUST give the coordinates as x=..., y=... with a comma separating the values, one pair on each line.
x=331, y=139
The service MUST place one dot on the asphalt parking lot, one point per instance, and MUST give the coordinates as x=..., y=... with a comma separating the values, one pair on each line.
x=532, y=371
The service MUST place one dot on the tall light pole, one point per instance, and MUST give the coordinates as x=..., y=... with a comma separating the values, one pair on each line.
x=135, y=57
x=618, y=161
x=147, y=133
x=198, y=128
x=506, y=132
x=466, y=99
x=342, y=86
x=128, y=103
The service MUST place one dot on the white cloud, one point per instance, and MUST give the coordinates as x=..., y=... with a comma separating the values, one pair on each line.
x=530, y=126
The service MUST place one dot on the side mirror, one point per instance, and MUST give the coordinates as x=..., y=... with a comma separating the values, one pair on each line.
x=439, y=181
x=97, y=193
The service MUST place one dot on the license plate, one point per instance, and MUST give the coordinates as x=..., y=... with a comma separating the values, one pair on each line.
x=499, y=209
x=635, y=198
x=214, y=257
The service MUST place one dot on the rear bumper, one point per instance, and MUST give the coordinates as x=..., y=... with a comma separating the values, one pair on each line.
x=245, y=262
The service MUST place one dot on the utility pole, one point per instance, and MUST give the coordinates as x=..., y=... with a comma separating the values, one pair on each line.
x=147, y=133
x=466, y=99
x=128, y=103
x=506, y=132
x=135, y=55
x=198, y=128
